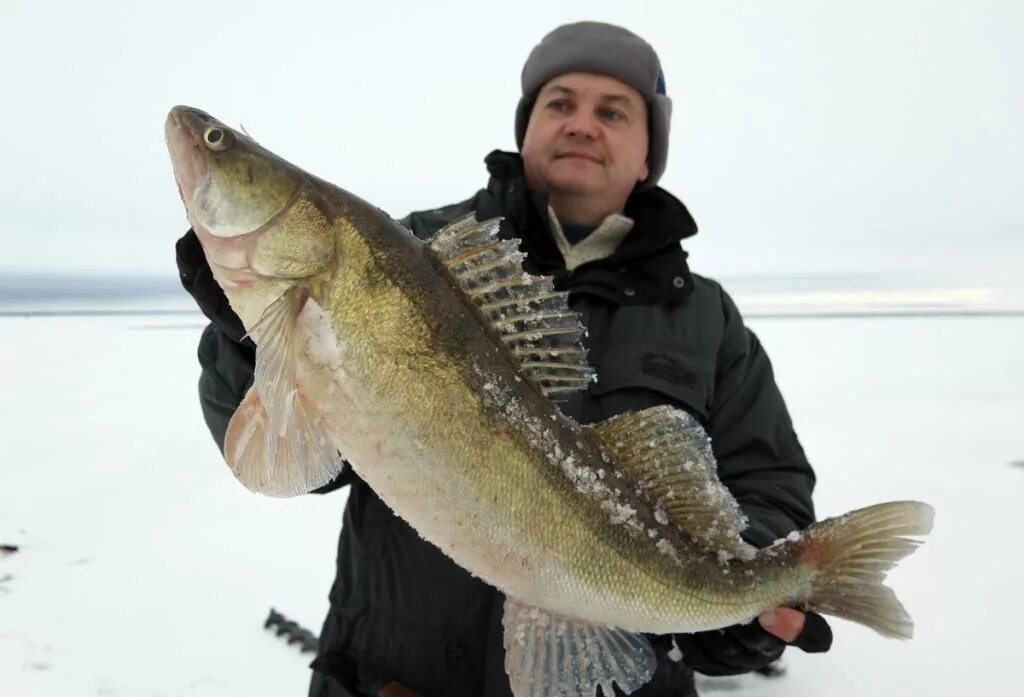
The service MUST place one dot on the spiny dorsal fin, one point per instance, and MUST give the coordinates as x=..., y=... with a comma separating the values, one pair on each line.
x=532, y=319
x=669, y=455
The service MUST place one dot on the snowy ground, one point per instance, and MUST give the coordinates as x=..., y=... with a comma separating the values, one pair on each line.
x=144, y=569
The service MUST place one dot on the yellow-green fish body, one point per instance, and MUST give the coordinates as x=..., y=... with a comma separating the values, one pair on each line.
x=432, y=368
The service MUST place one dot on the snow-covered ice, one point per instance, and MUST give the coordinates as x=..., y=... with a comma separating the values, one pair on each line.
x=145, y=569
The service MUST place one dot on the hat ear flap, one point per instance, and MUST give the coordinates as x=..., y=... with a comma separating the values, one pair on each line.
x=523, y=110
x=660, y=117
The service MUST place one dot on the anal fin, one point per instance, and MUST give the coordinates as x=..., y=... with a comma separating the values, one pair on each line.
x=549, y=655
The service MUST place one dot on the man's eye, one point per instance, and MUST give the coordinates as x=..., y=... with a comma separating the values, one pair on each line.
x=612, y=115
x=558, y=105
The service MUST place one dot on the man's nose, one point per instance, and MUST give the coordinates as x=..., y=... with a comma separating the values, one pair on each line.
x=582, y=124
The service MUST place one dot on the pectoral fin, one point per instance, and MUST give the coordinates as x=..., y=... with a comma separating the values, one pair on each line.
x=277, y=442
x=548, y=655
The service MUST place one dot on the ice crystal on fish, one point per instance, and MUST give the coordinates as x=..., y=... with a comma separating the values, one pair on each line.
x=666, y=548
x=620, y=513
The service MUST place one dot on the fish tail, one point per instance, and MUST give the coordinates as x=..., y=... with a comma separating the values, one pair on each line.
x=850, y=556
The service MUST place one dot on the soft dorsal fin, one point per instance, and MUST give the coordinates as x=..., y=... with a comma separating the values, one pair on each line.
x=532, y=319
x=669, y=455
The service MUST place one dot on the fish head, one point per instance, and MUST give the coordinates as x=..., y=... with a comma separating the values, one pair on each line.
x=245, y=203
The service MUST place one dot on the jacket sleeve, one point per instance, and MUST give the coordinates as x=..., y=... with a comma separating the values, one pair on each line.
x=227, y=359
x=227, y=373
x=759, y=456
x=423, y=224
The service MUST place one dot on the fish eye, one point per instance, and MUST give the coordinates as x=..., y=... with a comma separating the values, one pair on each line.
x=216, y=138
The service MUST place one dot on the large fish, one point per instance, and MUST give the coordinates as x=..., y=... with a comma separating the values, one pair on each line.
x=434, y=369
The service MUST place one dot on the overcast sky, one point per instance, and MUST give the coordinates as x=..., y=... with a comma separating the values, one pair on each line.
x=808, y=137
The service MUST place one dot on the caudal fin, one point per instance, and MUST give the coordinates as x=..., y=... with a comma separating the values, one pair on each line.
x=853, y=553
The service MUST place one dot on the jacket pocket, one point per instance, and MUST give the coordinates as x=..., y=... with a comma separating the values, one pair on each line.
x=635, y=376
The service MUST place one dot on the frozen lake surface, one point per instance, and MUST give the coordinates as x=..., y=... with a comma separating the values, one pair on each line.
x=145, y=569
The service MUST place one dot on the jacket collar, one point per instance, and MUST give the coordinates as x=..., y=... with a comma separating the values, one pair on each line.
x=648, y=266
x=674, y=220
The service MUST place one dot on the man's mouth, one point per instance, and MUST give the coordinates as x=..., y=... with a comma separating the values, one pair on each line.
x=575, y=154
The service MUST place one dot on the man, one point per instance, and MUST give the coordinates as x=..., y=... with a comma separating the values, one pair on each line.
x=592, y=126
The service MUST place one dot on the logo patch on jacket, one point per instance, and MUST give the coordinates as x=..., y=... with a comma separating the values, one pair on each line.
x=663, y=367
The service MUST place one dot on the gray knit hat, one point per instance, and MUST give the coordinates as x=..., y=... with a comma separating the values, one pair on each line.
x=605, y=49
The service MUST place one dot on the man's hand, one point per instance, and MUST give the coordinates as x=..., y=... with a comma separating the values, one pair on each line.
x=744, y=648
x=395, y=689
x=784, y=622
x=806, y=631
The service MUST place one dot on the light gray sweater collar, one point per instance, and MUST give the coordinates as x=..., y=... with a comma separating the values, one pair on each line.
x=599, y=244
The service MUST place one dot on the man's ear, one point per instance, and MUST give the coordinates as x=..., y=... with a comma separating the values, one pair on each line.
x=646, y=171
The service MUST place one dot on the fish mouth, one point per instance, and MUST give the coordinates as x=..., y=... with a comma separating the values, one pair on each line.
x=193, y=163
x=189, y=119
x=183, y=132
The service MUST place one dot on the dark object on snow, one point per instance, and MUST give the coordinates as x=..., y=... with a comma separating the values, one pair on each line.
x=8, y=549
x=295, y=633
x=1017, y=463
x=772, y=670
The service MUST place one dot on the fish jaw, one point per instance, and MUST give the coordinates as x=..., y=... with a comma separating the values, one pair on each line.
x=183, y=137
x=254, y=213
x=230, y=185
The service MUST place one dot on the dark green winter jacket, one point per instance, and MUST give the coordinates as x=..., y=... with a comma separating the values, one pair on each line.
x=657, y=334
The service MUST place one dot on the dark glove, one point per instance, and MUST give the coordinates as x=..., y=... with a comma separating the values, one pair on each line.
x=744, y=648
x=197, y=278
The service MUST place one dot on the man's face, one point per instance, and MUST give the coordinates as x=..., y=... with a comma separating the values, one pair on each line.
x=587, y=136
